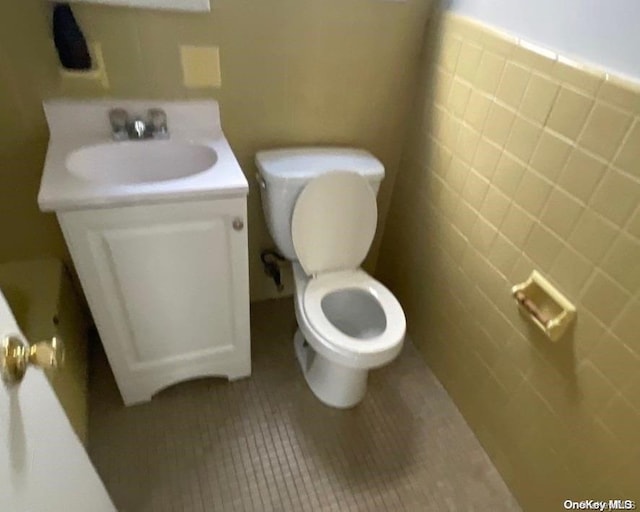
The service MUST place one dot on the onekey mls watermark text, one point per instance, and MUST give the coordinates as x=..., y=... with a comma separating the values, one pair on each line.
x=600, y=505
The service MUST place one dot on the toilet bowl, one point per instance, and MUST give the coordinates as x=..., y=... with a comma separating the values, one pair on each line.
x=348, y=322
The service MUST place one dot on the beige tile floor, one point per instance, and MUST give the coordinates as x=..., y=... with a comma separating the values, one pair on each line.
x=267, y=444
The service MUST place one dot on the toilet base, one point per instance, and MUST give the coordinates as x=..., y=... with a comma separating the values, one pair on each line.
x=335, y=385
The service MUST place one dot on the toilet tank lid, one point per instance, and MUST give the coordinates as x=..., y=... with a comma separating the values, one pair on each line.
x=307, y=162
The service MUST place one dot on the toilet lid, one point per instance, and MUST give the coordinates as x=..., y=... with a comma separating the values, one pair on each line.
x=334, y=221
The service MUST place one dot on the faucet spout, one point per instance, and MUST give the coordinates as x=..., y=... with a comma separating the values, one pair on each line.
x=124, y=128
x=138, y=129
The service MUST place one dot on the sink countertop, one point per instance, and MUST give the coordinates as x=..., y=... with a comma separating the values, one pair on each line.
x=74, y=124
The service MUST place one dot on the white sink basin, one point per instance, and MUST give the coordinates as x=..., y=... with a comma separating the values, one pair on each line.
x=146, y=161
x=85, y=168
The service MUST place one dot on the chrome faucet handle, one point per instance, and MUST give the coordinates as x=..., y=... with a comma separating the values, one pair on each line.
x=137, y=129
x=157, y=120
x=125, y=128
x=119, y=119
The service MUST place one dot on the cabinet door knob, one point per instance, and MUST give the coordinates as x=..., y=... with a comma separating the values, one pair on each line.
x=238, y=224
x=16, y=355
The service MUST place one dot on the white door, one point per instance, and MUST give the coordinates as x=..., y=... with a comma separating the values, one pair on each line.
x=43, y=466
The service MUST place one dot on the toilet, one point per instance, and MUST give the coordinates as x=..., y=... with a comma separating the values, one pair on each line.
x=320, y=208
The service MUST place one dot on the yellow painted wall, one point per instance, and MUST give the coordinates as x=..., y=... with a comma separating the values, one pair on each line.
x=517, y=162
x=27, y=68
x=293, y=72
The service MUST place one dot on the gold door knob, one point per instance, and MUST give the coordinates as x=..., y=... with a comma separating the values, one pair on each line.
x=16, y=355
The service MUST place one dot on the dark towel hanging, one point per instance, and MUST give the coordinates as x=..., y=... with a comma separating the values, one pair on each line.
x=69, y=40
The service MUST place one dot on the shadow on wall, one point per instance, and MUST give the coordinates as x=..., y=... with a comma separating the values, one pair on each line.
x=394, y=262
x=561, y=356
x=27, y=70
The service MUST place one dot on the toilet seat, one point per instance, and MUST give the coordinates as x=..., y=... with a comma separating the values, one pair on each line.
x=332, y=227
x=383, y=346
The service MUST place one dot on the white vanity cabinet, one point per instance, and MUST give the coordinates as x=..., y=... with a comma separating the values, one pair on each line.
x=168, y=288
x=157, y=232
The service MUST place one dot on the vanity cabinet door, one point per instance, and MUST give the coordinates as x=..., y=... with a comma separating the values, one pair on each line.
x=168, y=289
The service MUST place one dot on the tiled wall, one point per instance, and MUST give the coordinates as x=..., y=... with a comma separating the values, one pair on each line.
x=519, y=160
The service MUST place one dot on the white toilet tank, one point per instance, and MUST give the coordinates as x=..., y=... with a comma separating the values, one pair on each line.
x=283, y=173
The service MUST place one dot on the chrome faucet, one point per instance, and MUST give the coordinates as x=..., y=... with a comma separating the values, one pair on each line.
x=124, y=128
